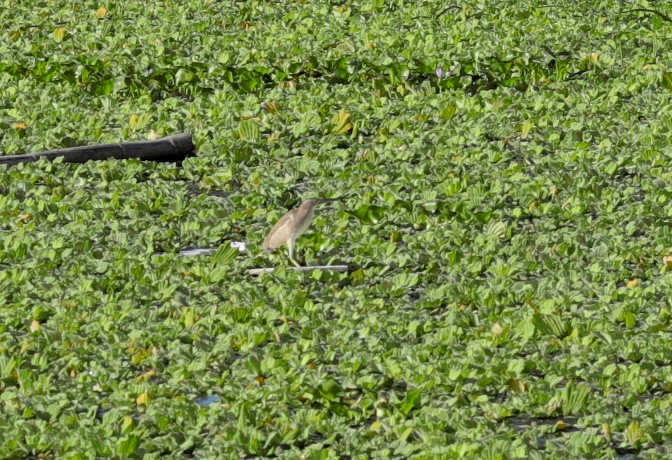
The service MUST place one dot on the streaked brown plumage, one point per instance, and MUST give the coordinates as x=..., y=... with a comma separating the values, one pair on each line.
x=292, y=225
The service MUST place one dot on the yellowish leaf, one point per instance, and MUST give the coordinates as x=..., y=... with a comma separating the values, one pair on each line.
x=496, y=329
x=142, y=399
x=146, y=376
x=341, y=123
x=346, y=46
x=634, y=433
x=606, y=431
x=19, y=125
x=59, y=34
x=554, y=190
x=561, y=425
x=344, y=129
x=35, y=326
x=633, y=283
x=667, y=260
x=101, y=12
x=133, y=120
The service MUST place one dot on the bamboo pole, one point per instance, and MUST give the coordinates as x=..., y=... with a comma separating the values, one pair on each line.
x=258, y=271
x=326, y=268
x=168, y=149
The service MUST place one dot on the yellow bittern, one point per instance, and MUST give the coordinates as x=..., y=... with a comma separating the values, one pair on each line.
x=292, y=225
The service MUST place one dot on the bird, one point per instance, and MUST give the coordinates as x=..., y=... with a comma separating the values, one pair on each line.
x=292, y=225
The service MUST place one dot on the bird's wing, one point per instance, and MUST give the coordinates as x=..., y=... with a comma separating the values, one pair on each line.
x=277, y=236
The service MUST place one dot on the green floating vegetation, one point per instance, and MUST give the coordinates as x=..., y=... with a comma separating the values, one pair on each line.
x=506, y=224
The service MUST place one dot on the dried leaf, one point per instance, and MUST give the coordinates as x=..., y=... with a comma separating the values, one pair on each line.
x=517, y=386
x=667, y=260
x=271, y=107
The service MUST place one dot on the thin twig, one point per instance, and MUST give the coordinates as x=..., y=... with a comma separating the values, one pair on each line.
x=648, y=10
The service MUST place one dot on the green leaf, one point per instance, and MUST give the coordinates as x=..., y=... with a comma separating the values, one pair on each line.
x=240, y=315
x=224, y=255
x=369, y=214
x=183, y=76
x=525, y=129
x=629, y=319
x=249, y=130
x=526, y=327
x=449, y=111
x=634, y=433
x=128, y=445
x=666, y=80
x=483, y=216
x=496, y=229
x=574, y=398
x=410, y=402
x=551, y=324
x=189, y=317
x=330, y=389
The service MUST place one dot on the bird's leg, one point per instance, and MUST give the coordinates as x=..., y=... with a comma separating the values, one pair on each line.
x=290, y=249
